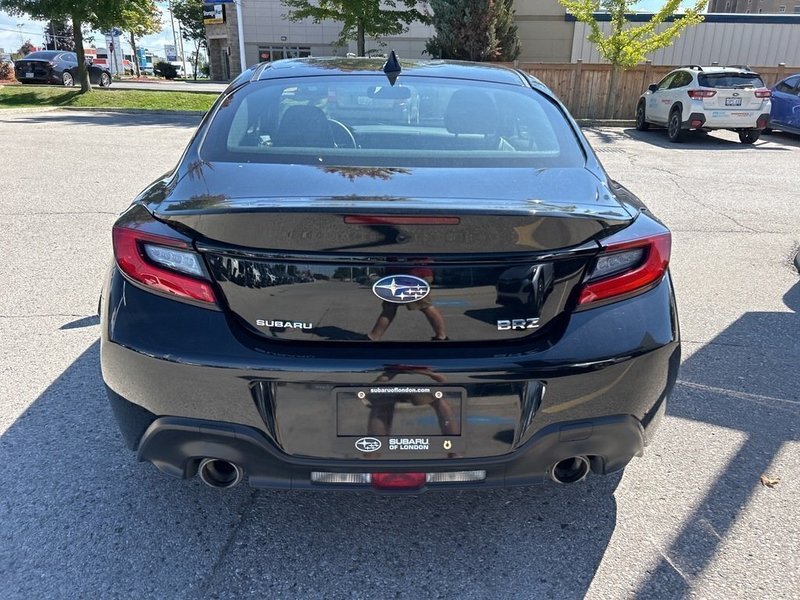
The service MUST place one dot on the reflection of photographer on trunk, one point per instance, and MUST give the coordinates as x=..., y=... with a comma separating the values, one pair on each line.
x=425, y=306
x=382, y=406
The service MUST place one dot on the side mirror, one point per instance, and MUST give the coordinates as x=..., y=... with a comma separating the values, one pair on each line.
x=652, y=87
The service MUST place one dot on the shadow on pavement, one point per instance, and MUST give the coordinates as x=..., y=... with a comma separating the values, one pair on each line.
x=82, y=519
x=106, y=119
x=746, y=380
x=775, y=142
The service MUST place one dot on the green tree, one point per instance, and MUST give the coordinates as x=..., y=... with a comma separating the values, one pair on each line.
x=506, y=31
x=58, y=35
x=139, y=19
x=359, y=18
x=478, y=30
x=94, y=14
x=627, y=45
x=190, y=15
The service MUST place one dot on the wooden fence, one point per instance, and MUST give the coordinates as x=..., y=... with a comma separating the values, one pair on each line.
x=584, y=87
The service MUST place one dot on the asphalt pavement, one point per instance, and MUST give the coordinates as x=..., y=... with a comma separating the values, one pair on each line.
x=80, y=518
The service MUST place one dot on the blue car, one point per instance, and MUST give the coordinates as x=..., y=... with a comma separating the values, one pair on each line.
x=785, y=114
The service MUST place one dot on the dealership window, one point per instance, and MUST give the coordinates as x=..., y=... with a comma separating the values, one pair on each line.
x=797, y=8
x=782, y=9
x=269, y=53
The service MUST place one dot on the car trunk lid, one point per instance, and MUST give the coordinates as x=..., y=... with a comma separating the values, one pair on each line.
x=471, y=261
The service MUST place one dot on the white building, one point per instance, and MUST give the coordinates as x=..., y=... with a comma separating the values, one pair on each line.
x=546, y=32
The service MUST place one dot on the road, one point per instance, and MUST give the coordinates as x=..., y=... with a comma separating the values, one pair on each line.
x=80, y=518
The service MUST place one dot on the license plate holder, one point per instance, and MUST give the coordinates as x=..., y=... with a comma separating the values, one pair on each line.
x=733, y=101
x=400, y=421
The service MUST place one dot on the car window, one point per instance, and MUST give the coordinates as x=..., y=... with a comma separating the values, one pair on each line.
x=69, y=57
x=43, y=54
x=665, y=83
x=730, y=80
x=788, y=86
x=681, y=79
x=361, y=120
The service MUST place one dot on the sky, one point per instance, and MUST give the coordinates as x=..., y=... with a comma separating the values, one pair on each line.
x=15, y=30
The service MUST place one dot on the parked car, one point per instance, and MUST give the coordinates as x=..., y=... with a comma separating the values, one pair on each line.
x=58, y=67
x=5, y=58
x=786, y=105
x=704, y=98
x=335, y=386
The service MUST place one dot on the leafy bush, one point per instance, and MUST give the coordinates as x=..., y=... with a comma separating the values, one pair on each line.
x=6, y=70
x=166, y=70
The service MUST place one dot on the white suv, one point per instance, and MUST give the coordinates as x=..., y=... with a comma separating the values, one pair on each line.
x=696, y=97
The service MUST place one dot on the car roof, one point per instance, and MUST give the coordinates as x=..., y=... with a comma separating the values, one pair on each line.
x=306, y=67
x=716, y=69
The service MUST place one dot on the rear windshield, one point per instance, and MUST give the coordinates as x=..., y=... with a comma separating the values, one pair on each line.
x=45, y=54
x=361, y=120
x=730, y=80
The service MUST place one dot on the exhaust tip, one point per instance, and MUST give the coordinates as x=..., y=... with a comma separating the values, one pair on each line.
x=218, y=473
x=570, y=470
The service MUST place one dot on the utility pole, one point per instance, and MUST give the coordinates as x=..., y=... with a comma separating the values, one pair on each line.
x=240, y=30
x=180, y=41
x=172, y=21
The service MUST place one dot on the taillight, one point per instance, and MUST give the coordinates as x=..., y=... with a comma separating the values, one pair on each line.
x=763, y=93
x=696, y=94
x=626, y=266
x=162, y=263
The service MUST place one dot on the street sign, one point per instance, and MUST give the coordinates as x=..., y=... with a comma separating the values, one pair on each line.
x=171, y=53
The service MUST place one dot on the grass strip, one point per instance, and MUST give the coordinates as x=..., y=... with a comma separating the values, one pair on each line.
x=27, y=96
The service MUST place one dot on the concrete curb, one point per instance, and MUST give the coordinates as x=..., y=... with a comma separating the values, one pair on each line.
x=100, y=109
x=134, y=111
x=26, y=109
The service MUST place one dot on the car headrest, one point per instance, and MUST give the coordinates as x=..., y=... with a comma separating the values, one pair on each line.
x=471, y=111
x=304, y=126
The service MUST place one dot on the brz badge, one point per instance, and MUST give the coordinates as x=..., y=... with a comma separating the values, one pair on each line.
x=401, y=289
x=368, y=444
x=507, y=325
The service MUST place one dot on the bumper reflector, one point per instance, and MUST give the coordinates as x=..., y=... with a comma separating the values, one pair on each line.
x=351, y=478
x=456, y=476
x=397, y=481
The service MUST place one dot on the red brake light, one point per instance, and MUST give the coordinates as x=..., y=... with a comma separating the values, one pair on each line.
x=763, y=93
x=398, y=481
x=654, y=253
x=702, y=93
x=130, y=253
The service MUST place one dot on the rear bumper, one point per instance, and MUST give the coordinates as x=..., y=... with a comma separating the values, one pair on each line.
x=176, y=446
x=728, y=119
x=181, y=381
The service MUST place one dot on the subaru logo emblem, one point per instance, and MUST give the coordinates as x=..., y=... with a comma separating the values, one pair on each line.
x=368, y=444
x=401, y=289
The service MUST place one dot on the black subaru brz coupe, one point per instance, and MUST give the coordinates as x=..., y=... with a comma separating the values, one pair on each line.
x=310, y=298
